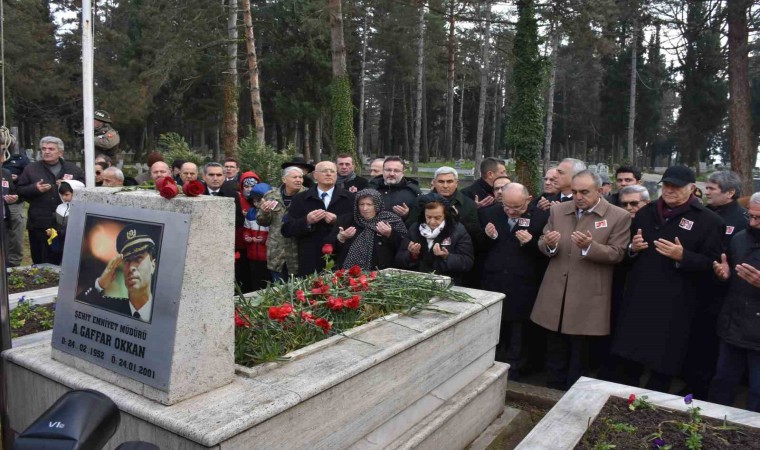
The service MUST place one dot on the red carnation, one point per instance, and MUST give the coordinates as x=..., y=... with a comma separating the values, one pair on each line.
x=280, y=313
x=316, y=291
x=336, y=304
x=373, y=274
x=353, y=302
x=167, y=187
x=240, y=322
x=631, y=399
x=323, y=324
x=340, y=273
x=300, y=295
x=327, y=249
x=334, y=280
x=355, y=271
x=307, y=317
x=193, y=188
x=325, y=289
x=237, y=256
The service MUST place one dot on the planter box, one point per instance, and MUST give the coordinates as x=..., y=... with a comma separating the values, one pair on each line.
x=564, y=425
x=427, y=381
x=38, y=296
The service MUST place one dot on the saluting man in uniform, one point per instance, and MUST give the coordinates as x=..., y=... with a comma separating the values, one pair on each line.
x=106, y=138
x=137, y=259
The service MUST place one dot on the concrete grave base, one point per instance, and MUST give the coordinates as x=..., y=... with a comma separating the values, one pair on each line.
x=427, y=381
x=564, y=425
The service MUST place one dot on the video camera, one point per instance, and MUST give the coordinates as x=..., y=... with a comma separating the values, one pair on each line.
x=79, y=420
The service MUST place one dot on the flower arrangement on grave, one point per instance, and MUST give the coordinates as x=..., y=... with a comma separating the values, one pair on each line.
x=642, y=425
x=290, y=315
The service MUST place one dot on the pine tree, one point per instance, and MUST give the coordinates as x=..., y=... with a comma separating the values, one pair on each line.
x=525, y=131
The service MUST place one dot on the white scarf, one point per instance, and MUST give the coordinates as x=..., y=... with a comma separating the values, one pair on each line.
x=431, y=234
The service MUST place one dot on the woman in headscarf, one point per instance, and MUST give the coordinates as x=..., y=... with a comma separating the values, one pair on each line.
x=370, y=236
x=437, y=242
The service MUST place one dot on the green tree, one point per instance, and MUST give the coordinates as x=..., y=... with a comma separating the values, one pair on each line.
x=525, y=131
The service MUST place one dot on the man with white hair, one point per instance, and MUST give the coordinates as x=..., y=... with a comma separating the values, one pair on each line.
x=38, y=184
x=282, y=252
x=514, y=266
x=113, y=177
x=674, y=242
x=739, y=319
x=567, y=169
x=633, y=198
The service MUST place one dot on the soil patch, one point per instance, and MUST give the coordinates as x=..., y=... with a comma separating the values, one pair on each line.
x=30, y=319
x=618, y=427
x=21, y=280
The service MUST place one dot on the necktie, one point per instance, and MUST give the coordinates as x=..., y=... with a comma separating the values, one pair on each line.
x=564, y=199
x=136, y=315
x=580, y=214
x=324, y=198
x=512, y=223
x=214, y=194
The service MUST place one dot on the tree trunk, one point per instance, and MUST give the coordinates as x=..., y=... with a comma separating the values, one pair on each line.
x=550, y=99
x=318, y=140
x=483, y=88
x=230, y=113
x=341, y=106
x=739, y=113
x=336, y=38
x=448, y=139
x=306, y=141
x=253, y=73
x=461, y=121
x=494, y=124
x=420, y=74
x=360, y=137
x=425, y=151
x=391, y=104
x=407, y=145
x=630, y=152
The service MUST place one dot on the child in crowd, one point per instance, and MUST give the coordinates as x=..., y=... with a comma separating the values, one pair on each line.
x=255, y=237
x=57, y=234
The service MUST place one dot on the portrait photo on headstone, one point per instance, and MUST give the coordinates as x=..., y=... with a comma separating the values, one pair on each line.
x=118, y=265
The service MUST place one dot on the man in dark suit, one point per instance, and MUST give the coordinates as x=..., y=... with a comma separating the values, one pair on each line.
x=514, y=266
x=347, y=177
x=567, y=169
x=312, y=215
x=137, y=259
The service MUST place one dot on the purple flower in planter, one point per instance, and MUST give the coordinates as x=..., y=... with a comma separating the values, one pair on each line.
x=658, y=443
x=22, y=300
x=688, y=399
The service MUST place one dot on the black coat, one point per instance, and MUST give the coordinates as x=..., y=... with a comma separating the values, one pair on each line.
x=383, y=250
x=739, y=321
x=355, y=185
x=479, y=188
x=406, y=191
x=662, y=296
x=735, y=218
x=8, y=188
x=454, y=237
x=513, y=269
x=42, y=204
x=312, y=237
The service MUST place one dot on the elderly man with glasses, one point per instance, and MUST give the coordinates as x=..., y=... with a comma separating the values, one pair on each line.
x=312, y=215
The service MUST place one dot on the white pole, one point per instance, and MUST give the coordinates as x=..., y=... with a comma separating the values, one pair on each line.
x=87, y=94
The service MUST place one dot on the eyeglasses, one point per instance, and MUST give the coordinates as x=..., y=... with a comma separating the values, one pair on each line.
x=327, y=171
x=751, y=217
x=632, y=204
x=97, y=173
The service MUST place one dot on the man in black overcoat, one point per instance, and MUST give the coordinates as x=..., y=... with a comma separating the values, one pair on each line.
x=674, y=242
x=514, y=266
x=312, y=215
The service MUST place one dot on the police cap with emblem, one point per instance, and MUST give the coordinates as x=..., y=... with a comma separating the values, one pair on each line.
x=134, y=239
x=102, y=115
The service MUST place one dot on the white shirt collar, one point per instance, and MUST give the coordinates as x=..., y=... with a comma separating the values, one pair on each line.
x=145, y=311
x=329, y=192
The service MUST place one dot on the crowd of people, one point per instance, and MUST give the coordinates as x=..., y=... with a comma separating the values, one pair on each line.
x=632, y=289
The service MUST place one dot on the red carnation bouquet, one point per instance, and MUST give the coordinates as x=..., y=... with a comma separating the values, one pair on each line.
x=167, y=187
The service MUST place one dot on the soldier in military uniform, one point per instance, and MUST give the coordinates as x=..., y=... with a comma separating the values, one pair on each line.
x=106, y=138
x=137, y=259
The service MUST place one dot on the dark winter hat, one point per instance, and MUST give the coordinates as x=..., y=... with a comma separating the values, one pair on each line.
x=298, y=161
x=679, y=176
x=135, y=238
x=103, y=116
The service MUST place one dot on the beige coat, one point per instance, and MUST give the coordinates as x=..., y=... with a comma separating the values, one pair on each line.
x=576, y=289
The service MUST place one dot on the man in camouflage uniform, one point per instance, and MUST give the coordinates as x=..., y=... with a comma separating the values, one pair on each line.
x=282, y=252
x=106, y=138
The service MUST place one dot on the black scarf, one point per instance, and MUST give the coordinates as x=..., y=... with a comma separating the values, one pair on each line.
x=343, y=180
x=362, y=248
